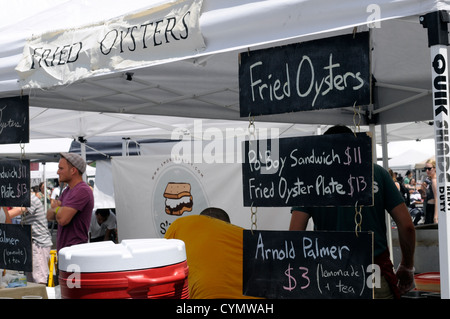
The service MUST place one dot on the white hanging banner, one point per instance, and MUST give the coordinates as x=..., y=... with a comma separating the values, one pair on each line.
x=143, y=38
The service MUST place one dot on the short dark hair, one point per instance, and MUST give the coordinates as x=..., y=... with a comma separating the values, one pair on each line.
x=337, y=129
x=216, y=213
x=104, y=212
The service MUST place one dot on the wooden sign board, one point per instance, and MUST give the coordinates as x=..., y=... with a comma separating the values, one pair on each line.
x=321, y=74
x=307, y=264
x=15, y=247
x=14, y=120
x=326, y=170
x=15, y=183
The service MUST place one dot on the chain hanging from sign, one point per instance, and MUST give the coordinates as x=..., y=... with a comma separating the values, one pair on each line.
x=358, y=219
x=22, y=157
x=357, y=128
x=356, y=118
x=252, y=139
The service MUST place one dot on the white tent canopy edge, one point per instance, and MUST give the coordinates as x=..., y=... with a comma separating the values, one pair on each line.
x=168, y=86
x=410, y=83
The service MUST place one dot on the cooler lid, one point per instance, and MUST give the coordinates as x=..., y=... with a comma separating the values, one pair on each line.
x=130, y=254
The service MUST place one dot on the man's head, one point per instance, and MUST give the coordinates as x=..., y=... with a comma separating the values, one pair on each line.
x=70, y=165
x=216, y=213
x=76, y=161
x=102, y=215
x=338, y=129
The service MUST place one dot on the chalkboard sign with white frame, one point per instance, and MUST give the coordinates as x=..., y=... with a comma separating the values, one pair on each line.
x=308, y=264
x=320, y=74
x=15, y=183
x=325, y=170
x=14, y=120
x=15, y=247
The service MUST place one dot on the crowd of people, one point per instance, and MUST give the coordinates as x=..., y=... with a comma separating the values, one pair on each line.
x=70, y=211
x=420, y=197
x=409, y=203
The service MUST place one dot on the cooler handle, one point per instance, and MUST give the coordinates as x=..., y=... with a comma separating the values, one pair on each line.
x=136, y=282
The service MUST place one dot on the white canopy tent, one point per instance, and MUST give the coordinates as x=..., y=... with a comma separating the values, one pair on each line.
x=408, y=159
x=204, y=83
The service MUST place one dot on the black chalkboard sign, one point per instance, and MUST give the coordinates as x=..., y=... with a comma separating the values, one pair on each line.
x=308, y=265
x=15, y=247
x=14, y=120
x=326, y=170
x=15, y=183
x=320, y=74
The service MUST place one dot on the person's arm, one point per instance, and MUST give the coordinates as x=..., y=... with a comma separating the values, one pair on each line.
x=62, y=214
x=8, y=217
x=299, y=220
x=407, y=239
x=54, y=196
x=54, y=203
x=16, y=211
x=51, y=211
x=436, y=206
x=107, y=234
x=111, y=226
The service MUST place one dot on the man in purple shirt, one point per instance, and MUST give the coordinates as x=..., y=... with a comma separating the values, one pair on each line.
x=73, y=210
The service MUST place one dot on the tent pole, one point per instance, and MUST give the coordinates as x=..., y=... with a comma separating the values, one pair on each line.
x=125, y=146
x=44, y=179
x=384, y=145
x=437, y=25
x=83, y=153
x=386, y=166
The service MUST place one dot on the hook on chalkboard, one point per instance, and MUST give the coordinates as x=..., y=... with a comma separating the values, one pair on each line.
x=356, y=118
x=22, y=151
x=23, y=211
x=251, y=124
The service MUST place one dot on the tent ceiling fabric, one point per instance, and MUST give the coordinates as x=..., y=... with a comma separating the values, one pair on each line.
x=53, y=130
x=47, y=123
x=205, y=85
x=57, y=123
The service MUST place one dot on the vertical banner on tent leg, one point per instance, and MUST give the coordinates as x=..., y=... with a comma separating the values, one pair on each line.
x=441, y=127
x=437, y=25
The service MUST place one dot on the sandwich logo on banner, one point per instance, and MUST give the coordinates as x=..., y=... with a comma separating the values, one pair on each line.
x=177, y=190
x=178, y=198
x=139, y=39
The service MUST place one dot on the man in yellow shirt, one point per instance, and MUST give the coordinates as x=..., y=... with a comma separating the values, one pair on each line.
x=214, y=255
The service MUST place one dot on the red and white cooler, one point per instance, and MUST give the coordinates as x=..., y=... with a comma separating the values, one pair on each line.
x=136, y=268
